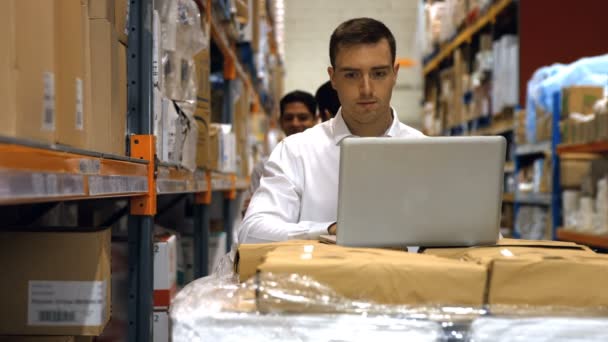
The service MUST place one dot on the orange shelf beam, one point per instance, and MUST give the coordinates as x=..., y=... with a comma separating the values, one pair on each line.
x=595, y=147
x=600, y=241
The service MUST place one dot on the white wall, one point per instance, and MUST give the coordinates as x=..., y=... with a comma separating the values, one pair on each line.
x=309, y=24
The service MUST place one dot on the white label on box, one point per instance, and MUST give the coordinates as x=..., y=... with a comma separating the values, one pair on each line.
x=161, y=327
x=48, y=110
x=79, y=105
x=66, y=303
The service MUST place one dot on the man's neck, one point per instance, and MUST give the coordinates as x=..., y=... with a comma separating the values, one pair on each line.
x=374, y=129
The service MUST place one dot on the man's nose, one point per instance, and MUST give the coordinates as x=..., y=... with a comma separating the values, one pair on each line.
x=366, y=86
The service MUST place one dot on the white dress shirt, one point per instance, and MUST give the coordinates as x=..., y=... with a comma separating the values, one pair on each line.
x=298, y=193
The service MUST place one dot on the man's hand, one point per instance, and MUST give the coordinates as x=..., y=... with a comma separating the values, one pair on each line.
x=333, y=229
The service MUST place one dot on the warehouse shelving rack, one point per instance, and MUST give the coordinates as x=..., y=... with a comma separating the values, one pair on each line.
x=565, y=234
x=32, y=172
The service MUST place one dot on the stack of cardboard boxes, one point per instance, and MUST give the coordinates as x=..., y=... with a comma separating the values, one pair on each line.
x=579, y=123
x=513, y=272
x=64, y=72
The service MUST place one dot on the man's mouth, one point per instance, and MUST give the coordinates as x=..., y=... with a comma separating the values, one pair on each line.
x=366, y=104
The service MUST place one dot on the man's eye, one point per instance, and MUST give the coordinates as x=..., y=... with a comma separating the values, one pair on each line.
x=380, y=74
x=350, y=75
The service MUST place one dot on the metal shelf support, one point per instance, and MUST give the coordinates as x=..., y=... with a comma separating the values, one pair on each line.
x=202, y=201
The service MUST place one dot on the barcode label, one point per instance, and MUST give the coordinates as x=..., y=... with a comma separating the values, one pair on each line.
x=67, y=303
x=48, y=110
x=79, y=105
x=57, y=316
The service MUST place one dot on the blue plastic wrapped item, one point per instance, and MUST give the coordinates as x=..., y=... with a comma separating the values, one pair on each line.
x=546, y=81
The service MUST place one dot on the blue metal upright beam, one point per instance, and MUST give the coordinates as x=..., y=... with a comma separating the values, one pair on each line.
x=556, y=198
x=139, y=121
x=201, y=240
x=228, y=215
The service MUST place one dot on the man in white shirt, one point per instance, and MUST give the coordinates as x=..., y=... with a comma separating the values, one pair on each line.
x=298, y=195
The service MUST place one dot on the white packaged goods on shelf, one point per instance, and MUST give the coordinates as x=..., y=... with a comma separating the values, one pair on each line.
x=165, y=270
x=531, y=222
x=505, y=90
x=161, y=326
x=541, y=329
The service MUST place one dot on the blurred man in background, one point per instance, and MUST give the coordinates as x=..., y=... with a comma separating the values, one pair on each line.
x=328, y=101
x=298, y=113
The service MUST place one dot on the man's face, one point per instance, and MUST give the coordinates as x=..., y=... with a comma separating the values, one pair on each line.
x=296, y=118
x=364, y=77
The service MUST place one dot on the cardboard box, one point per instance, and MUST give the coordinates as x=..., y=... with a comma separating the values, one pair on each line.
x=165, y=270
x=102, y=9
x=118, y=120
x=382, y=276
x=121, y=20
x=104, y=85
x=214, y=147
x=62, y=286
x=555, y=279
x=36, y=74
x=161, y=326
x=8, y=95
x=574, y=168
x=71, y=60
x=580, y=99
x=202, y=114
x=117, y=329
x=250, y=256
x=545, y=273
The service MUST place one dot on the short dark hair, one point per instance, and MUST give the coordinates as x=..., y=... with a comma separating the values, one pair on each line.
x=327, y=98
x=300, y=96
x=359, y=31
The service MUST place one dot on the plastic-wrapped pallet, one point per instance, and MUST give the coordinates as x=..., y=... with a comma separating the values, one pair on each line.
x=217, y=308
x=539, y=329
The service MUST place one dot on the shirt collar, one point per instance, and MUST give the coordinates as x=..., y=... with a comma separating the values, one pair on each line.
x=341, y=131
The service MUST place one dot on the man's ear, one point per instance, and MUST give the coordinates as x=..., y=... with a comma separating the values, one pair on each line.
x=396, y=68
x=330, y=72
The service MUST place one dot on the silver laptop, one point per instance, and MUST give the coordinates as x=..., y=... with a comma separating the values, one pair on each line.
x=443, y=191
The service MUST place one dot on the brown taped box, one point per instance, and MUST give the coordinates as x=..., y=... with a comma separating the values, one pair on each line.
x=375, y=274
x=35, y=67
x=70, y=48
x=383, y=276
x=8, y=95
x=580, y=99
x=118, y=121
x=202, y=113
x=61, y=260
x=121, y=11
x=214, y=147
x=102, y=9
x=250, y=256
x=103, y=85
x=539, y=273
x=574, y=168
x=241, y=125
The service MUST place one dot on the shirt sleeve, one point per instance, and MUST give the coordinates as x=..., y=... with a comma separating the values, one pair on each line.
x=274, y=211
